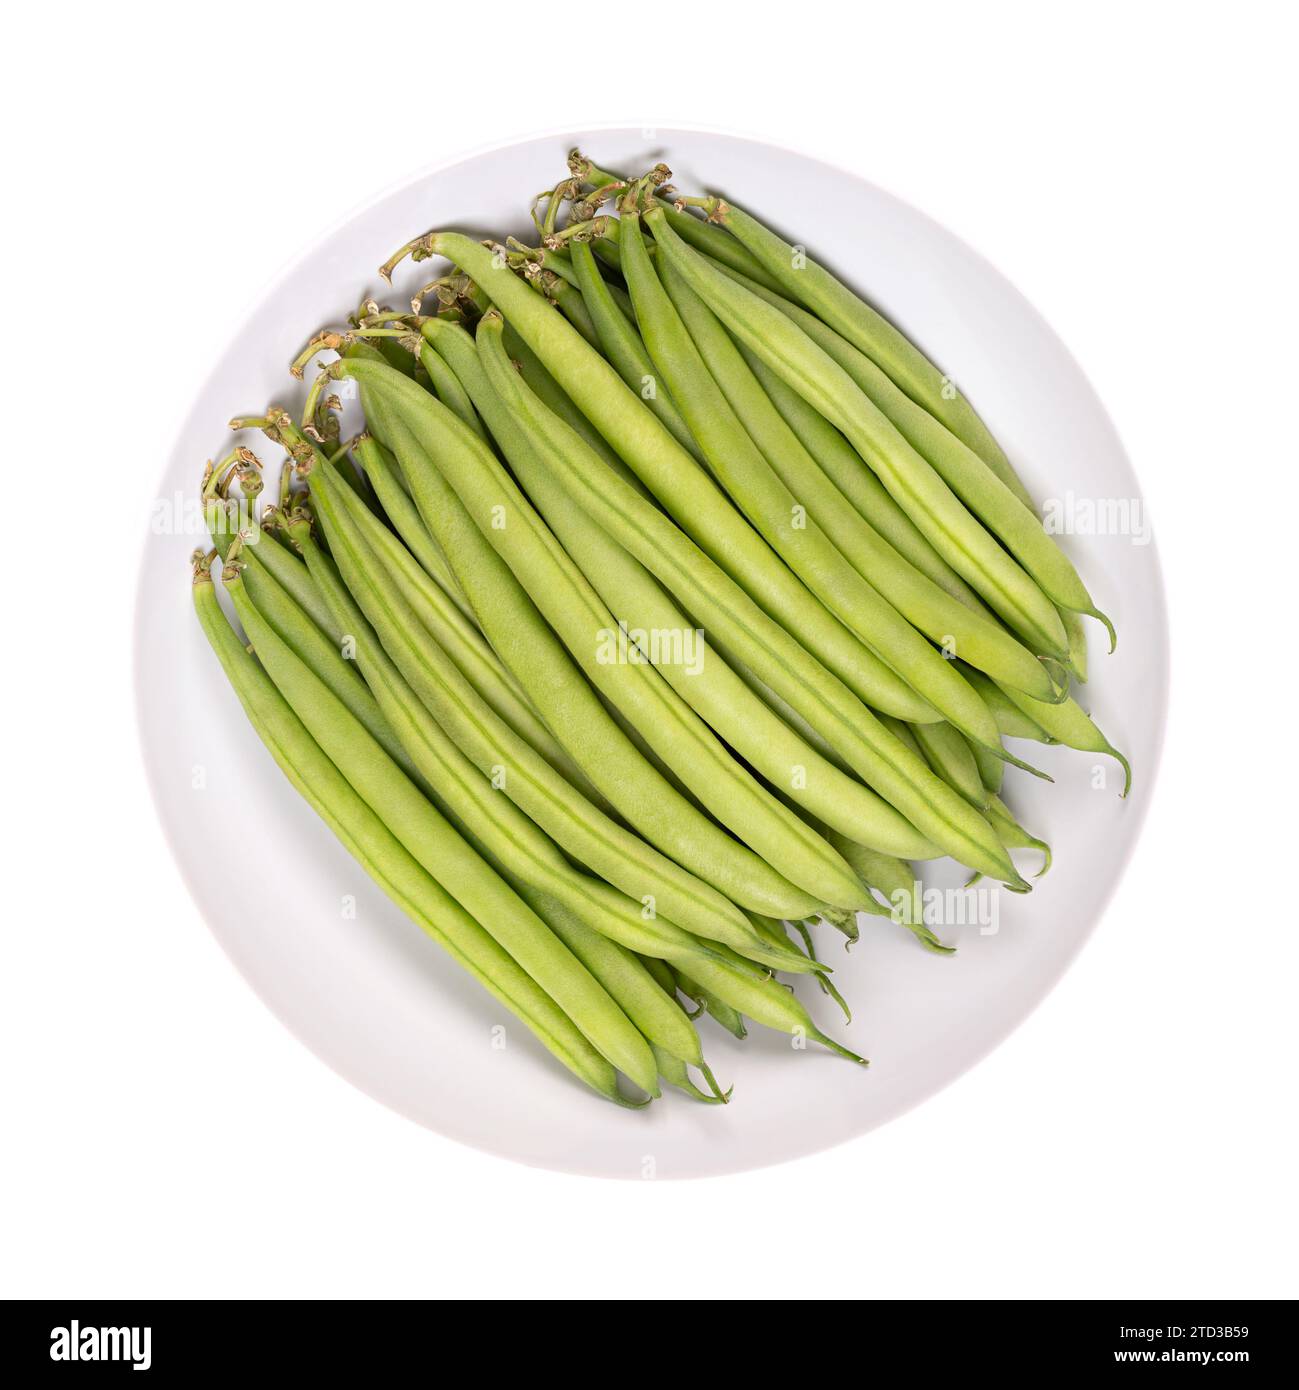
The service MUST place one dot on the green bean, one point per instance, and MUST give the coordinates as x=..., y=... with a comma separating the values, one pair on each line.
x=903, y=588
x=767, y=1002
x=792, y=529
x=385, y=477
x=684, y=985
x=668, y=981
x=711, y=688
x=898, y=884
x=957, y=762
x=1077, y=638
x=950, y=757
x=905, y=734
x=291, y=574
x=969, y=476
x=730, y=1019
x=442, y=852
x=622, y=345
x=1012, y=722
x=786, y=712
x=606, y=250
x=633, y=430
x=778, y=930
x=661, y=973
x=569, y=300
x=792, y=855
x=619, y=295
x=709, y=594
x=1069, y=723
x=396, y=872
x=913, y=482
x=992, y=771
x=1014, y=836
x=450, y=392
x=674, y=1072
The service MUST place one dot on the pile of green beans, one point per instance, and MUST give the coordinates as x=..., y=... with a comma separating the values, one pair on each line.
x=669, y=603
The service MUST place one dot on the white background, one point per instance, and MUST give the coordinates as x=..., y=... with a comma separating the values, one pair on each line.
x=1131, y=169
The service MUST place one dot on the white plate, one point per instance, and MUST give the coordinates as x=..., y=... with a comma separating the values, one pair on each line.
x=373, y=997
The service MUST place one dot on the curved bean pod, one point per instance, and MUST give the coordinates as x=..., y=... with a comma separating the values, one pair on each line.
x=730, y=1019
x=1014, y=836
x=674, y=1072
x=1070, y=724
x=764, y=1001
